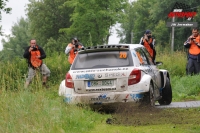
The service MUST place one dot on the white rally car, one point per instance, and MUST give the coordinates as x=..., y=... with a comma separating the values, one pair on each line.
x=110, y=74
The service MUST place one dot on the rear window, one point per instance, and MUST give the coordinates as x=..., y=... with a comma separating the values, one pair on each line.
x=102, y=60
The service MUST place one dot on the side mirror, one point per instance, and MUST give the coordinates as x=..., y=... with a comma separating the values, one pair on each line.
x=158, y=63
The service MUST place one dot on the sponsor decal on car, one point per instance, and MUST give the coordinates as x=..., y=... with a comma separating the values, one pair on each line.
x=101, y=97
x=115, y=74
x=134, y=54
x=85, y=76
x=149, y=70
x=68, y=98
x=165, y=73
x=99, y=76
x=101, y=89
x=126, y=98
x=136, y=97
x=102, y=70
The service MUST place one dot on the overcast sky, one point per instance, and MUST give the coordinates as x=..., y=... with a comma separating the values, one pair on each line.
x=8, y=20
x=18, y=8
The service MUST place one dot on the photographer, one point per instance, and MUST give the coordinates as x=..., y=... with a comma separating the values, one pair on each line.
x=72, y=48
x=149, y=43
x=193, y=44
x=34, y=55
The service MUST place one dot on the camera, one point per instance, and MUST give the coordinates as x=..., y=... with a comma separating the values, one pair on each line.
x=76, y=47
x=34, y=48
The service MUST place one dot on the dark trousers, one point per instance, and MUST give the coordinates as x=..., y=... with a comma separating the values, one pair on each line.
x=193, y=67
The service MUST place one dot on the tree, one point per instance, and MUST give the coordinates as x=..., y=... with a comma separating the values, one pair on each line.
x=127, y=24
x=95, y=18
x=153, y=15
x=4, y=9
x=160, y=31
x=46, y=18
x=17, y=41
x=160, y=12
x=137, y=20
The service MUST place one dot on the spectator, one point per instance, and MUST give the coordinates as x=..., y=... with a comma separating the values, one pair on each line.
x=72, y=48
x=193, y=44
x=149, y=43
x=34, y=55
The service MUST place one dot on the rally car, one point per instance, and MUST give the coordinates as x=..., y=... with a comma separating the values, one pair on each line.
x=110, y=74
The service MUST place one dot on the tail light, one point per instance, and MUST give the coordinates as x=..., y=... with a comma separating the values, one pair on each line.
x=134, y=77
x=68, y=81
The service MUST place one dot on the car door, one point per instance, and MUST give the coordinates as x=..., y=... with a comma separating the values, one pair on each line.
x=155, y=70
x=145, y=63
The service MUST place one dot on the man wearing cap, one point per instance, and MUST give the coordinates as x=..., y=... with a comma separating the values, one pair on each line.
x=149, y=43
x=71, y=49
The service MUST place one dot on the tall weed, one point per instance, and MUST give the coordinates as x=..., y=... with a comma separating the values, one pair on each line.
x=174, y=62
x=28, y=112
x=14, y=74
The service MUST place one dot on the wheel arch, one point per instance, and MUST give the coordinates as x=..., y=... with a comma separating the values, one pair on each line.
x=164, y=74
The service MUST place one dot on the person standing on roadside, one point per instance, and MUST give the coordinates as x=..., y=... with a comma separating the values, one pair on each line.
x=149, y=43
x=34, y=55
x=72, y=49
x=193, y=45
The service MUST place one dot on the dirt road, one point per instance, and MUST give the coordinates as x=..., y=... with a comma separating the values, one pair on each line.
x=188, y=104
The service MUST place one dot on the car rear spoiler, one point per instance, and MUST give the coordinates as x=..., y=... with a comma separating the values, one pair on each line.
x=103, y=48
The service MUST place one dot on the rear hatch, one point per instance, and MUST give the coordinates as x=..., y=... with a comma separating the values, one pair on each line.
x=99, y=80
x=101, y=71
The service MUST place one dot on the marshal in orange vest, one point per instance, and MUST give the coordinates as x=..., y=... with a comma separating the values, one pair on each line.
x=194, y=49
x=72, y=53
x=35, y=61
x=147, y=46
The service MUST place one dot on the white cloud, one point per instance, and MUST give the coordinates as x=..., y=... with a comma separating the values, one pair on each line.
x=8, y=20
x=113, y=39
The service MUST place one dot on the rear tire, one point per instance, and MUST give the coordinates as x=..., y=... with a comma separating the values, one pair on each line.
x=166, y=94
x=149, y=97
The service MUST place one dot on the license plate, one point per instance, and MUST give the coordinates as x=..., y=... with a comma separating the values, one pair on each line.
x=96, y=83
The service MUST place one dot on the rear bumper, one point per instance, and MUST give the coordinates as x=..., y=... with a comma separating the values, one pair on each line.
x=99, y=98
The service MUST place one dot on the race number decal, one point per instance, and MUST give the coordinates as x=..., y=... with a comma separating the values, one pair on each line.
x=140, y=58
x=122, y=55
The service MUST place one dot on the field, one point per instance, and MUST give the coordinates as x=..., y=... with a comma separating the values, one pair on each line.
x=38, y=109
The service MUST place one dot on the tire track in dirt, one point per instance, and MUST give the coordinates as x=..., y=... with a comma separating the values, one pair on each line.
x=138, y=115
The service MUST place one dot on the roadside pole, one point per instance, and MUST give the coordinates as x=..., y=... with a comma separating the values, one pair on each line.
x=131, y=37
x=172, y=43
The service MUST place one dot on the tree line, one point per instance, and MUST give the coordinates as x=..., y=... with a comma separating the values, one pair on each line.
x=53, y=22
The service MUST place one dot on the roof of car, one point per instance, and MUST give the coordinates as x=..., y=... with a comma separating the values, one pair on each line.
x=109, y=47
x=132, y=46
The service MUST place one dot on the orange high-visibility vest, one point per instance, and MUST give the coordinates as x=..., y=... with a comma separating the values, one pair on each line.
x=72, y=55
x=147, y=46
x=35, y=62
x=194, y=49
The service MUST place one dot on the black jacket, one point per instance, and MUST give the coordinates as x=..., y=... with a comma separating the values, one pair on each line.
x=27, y=54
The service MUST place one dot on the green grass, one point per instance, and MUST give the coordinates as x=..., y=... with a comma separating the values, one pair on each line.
x=39, y=110
x=186, y=88
x=27, y=111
